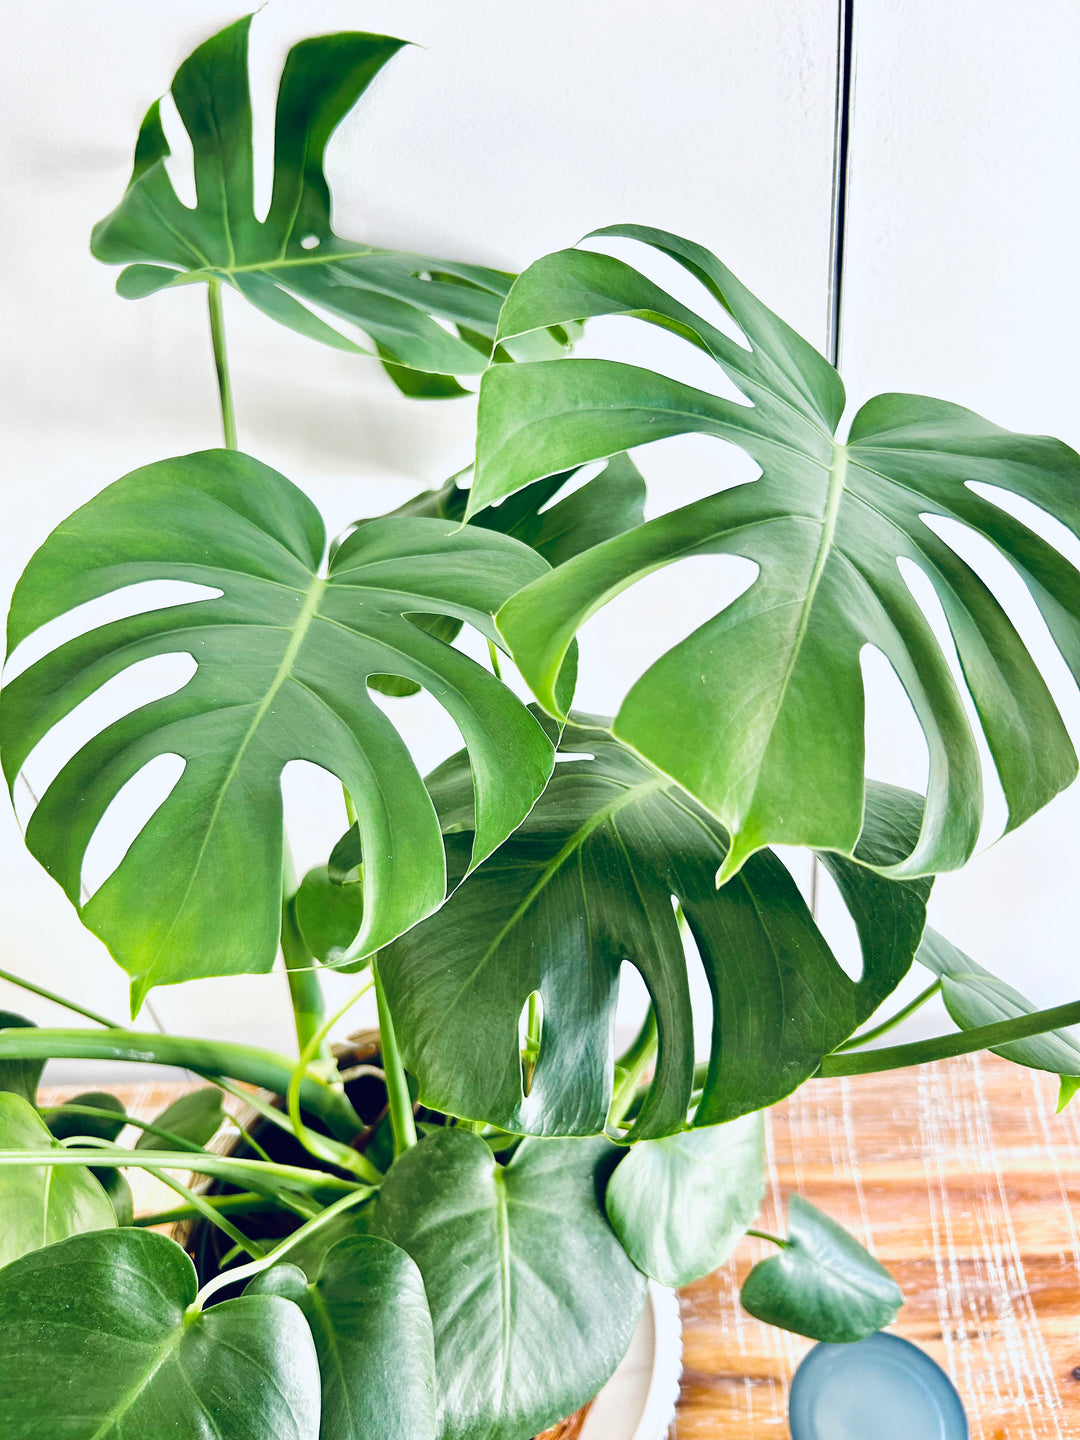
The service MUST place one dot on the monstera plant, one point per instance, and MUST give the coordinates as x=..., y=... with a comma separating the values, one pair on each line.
x=449, y=1233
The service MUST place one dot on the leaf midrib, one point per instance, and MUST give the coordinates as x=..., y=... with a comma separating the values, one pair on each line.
x=307, y=614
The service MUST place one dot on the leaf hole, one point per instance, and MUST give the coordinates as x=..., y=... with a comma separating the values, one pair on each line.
x=180, y=162
x=128, y=813
x=310, y=242
x=895, y=746
x=836, y=925
x=314, y=809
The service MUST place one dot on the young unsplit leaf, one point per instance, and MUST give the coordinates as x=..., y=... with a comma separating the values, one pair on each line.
x=532, y=1297
x=823, y=1284
x=681, y=1204
x=40, y=1204
x=369, y=1317
x=282, y=656
x=586, y=883
x=974, y=997
x=195, y=1117
x=95, y=1345
x=330, y=916
x=771, y=687
x=21, y=1077
x=291, y=265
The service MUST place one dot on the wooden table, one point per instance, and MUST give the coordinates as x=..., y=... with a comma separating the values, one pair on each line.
x=963, y=1181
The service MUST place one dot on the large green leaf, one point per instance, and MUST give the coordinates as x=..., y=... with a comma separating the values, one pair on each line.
x=974, y=997
x=823, y=1283
x=39, y=1203
x=586, y=883
x=532, y=1297
x=369, y=1316
x=282, y=658
x=96, y=1344
x=760, y=712
x=681, y=1204
x=291, y=265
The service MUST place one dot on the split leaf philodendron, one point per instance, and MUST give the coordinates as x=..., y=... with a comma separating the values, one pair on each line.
x=445, y=1232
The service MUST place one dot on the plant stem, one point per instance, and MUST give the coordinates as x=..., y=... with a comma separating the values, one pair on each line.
x=210, y=1058
x=886, y=1025
x=210, y=1214
x=246, y=1203
x=764, y=1235
x=176, y=1141
x=221, y=363
x=305, y=992
x=59, y=1000
x=943, y=1047
x=633, y=1064
x=493, y=656
x=248, y=1272
x=402, y=1121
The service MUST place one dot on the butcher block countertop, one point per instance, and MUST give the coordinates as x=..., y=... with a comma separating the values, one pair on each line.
x=961, y=1179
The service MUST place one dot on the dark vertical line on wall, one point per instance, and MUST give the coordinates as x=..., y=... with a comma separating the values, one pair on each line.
x=834, y=320
x=845, y=100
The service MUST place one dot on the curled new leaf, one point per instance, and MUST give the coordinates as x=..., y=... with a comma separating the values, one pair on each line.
x=282, y=655
x=771, y=687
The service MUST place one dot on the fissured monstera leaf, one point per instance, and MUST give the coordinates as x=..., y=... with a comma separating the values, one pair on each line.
x=96, y=1344
x=759, y=713
x=532, y=1297
x=292, y=261
x=282, y=658
x=589, y=881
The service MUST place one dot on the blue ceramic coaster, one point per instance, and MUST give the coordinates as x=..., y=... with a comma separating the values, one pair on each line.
x=882, y=1388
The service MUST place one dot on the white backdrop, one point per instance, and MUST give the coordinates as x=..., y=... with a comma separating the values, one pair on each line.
x=509, y=131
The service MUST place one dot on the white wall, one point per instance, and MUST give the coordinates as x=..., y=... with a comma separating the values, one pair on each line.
x=512, y=131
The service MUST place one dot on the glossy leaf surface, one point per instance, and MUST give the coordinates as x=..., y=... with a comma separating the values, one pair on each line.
x=586, y=883
x=771, y=687
x=369, y=1317
x=40, y=1204
x=681, y=1204
x=291, y=265
x=823, y=1284
x=95, y=1345
x=973, y=997
x=65, y=1124
x=282, y=656
x=532, y=1297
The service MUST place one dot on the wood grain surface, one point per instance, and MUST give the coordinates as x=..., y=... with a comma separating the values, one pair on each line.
x=962, y=1180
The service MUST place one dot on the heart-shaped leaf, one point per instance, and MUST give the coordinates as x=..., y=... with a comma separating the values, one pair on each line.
x=532, y=1297
x=21, y=1077
x=771, y=687
x=96, y=1344
x=64, y=1123
x=291, y=265
x=39, y=1203
x=369, y=1316
x=196, y=1117
x=823, y=1283
x=282, y=657
x=973, y=997
x=681, y=1204
x=586, y=883
x=330, y=916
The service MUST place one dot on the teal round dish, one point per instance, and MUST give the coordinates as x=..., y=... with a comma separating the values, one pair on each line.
x=881, y=1388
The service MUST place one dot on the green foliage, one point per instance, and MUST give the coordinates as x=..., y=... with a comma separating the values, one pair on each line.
x=21, y=1076
x=291, y=265
x=759, y=713
x=40, y=1204
x=369, y=1317
x=823, y=1283
x=63, y=1124
x=519, y=1263
x=586, y=883
x=95, y=1344
x=282, y=656
x=680, y=1204
x=195, y=1118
